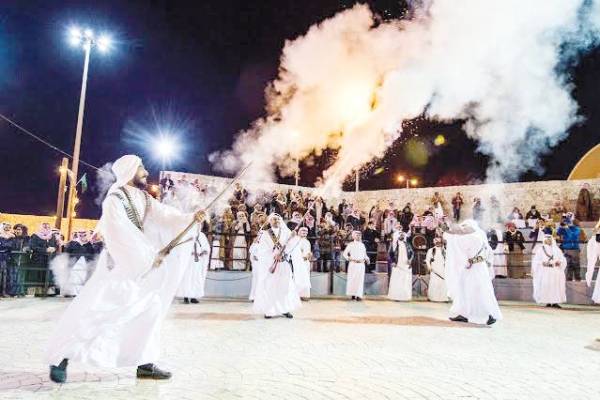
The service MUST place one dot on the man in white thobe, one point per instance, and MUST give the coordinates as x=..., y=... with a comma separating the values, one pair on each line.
x=301, y=256
x=593, y=254
x=436, y=260
x=356, y=255
x=258, y=268
x=192, y=284
x=469, y=274
x=400, y=288
x=278, y=294
x=548, y=274
x=116, y=319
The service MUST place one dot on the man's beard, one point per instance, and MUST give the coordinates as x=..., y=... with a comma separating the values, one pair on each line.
x=140, y=183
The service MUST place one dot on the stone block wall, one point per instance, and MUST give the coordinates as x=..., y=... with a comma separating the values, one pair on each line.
x=544, y=194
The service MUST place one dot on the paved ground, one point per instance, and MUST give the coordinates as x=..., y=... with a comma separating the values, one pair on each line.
x=332, y=350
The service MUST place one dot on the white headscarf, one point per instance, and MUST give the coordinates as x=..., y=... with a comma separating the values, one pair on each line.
x=124, y=169
x=471, y=223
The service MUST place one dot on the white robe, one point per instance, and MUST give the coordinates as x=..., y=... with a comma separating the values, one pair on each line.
x=500, y=256
x=470, y=289
x=356, y=254
x=437, y=290
x=400, y=288
x=116, y=319
x=239, y=251
x=215, y=258
x=192, y=284
x=549, y=283
x=593, y=253
x=278, y=294
x=301, y=255
x=259, y=270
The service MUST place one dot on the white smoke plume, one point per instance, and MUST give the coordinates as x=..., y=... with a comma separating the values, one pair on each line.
x=350, y=82
x=104, y=179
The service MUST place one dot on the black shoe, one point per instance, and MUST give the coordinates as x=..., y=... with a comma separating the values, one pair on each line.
x=358, y=299
x=548, y=305
x=194, y=301
x=151, y=371
x=556, y=306
x=288, y=315
x=491, y=320
x=353, y=297
x=59, y=374
x=268, y=317
x=459, y=318
x=186, y=300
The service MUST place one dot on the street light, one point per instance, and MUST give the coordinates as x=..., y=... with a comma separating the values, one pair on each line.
x=85, y=39
x=409, y=181
x=165, y=148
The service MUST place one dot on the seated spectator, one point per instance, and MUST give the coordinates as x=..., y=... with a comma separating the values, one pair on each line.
x=533, y=213
x=514, y=240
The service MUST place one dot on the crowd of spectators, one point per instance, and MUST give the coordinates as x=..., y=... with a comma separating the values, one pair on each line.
x=24, y=258
x=330, y=225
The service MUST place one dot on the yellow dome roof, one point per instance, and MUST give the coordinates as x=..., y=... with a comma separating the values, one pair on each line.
x=588, y=167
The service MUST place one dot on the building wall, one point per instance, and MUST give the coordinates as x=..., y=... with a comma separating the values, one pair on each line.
x=543, y=194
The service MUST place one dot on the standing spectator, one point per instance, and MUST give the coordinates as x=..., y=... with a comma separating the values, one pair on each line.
x=457, y=203
x=325, y=241
x=495, y=213
x=239, y=193
x=43, y=243
x=570, y=236
x=515, y=241
x=371, y=241
x=477, y=209
x=584, y=209
x=6, y=237
x=406, y=218
x=166, y=183
x=354, y=220
x=241, y=230
x=437, y=201
x=20, y=249
x=388, y=225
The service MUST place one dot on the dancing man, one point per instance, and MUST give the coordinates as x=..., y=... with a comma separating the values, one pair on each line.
x=356, y=255
x=469, y=274
x=116, y=319
x=277, y=293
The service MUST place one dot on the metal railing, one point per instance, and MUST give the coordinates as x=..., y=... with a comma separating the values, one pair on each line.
x=27, y=272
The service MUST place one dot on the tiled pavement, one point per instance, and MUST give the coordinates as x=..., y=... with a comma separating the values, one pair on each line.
x=332, y=349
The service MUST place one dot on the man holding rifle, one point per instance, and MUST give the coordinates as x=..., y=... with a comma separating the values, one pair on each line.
x=116, y=319
x=278, y=294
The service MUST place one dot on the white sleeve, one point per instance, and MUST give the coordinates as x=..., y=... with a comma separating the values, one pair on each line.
x=128, y=246
x=346, y=253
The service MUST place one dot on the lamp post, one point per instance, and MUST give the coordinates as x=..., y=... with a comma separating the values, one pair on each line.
x=86, y=40
x=409, y=181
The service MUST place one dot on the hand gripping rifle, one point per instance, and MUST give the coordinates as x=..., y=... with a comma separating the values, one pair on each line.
x=275, y=262
x=177, y=240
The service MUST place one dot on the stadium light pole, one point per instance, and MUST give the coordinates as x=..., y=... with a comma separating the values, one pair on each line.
x=86, y=40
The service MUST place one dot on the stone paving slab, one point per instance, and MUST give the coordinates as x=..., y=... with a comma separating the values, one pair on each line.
x=331, y=350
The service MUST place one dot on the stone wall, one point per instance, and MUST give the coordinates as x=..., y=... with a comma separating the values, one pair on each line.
x=543, y=194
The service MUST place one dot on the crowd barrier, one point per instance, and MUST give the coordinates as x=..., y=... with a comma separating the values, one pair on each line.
x=29, y=273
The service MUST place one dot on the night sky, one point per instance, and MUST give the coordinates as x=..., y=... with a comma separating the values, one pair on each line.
x=199, y=67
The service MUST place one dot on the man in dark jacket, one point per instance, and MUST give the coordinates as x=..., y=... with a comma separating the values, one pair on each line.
x=515, y=241
x=371, y=240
